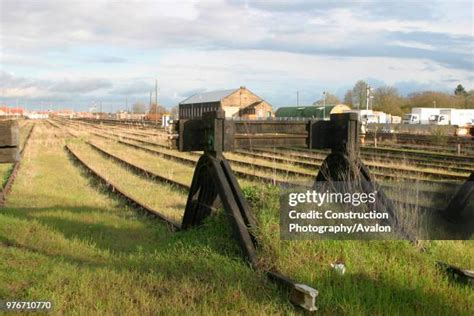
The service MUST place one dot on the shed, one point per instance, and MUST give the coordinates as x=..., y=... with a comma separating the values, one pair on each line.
x=234, y=102
x=317, y=112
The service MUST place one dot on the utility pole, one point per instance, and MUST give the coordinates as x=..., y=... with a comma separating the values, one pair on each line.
x=150, y=105
x=126, y=104
x=297, y=98
x=324, y=105
x=156, y=100
x=367, y=98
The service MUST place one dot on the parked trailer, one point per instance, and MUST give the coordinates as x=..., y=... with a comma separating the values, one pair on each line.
x=421, y=115
x=459, y=117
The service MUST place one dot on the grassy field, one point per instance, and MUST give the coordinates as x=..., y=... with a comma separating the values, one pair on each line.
x=63, y=237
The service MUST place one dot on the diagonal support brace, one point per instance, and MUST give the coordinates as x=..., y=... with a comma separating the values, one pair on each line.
x=214, y=183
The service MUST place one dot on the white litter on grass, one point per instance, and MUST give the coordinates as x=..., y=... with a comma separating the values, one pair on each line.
x=339, y=267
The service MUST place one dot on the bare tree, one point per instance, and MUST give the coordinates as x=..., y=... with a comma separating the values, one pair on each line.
x=359, y=94
x=387, y=99
x=139, y=108
x=157, y=109
x=331, y=99
x=348, y=98
x=174, y=112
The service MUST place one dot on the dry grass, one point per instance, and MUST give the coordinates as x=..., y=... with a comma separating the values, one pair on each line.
x=159, y=196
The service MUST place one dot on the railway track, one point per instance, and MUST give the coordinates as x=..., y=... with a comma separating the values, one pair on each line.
x=374, y=164
x=192, y=162
x=93, y=123
x=374, y=158
x=128, y=129
x=426, y=141
x=112, y=122
x=423, y=194
x=309, y=176
x=317, y=161
x=446, y=149
x=435, y=156
x=137, y=169
x=305, y=161
x=379, y=171
x=52, y=124
x=116, y=189
x=375, y=170
x=132, y=131
x=405, y=152
x=161, y=179
x=441, y=159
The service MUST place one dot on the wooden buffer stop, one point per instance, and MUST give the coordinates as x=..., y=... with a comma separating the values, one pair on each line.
x=214, y=183
x=9, y=141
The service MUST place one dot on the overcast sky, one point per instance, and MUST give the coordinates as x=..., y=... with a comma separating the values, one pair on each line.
x=74, y=53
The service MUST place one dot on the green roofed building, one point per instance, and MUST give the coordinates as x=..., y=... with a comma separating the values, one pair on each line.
x=313, y=111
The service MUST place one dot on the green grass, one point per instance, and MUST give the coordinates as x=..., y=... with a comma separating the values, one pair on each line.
x=62, y=237
x=152, y=161
x=170, y=169
x=383, y=277
x=278, y=175
x=164, y=167
x=159, y=196
x=5, y=171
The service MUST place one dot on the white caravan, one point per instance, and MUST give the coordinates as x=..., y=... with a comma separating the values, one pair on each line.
x=421, y=115
x=459, y=117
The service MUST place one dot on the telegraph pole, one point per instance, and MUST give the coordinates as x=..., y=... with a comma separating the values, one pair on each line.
x=367, y=97
x=156, y=100
x=150, y=105
x=324, y=105
x=297, y=98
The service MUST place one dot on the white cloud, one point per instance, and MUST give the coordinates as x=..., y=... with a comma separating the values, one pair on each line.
x=413, y=44
x=12, y=86
x=118, y=47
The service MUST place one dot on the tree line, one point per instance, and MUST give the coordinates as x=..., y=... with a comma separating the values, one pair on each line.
x=386, y=99
x=141, y=108
x=389, y=100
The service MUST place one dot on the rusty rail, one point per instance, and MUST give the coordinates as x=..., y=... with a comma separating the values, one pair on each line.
x=120, y=192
